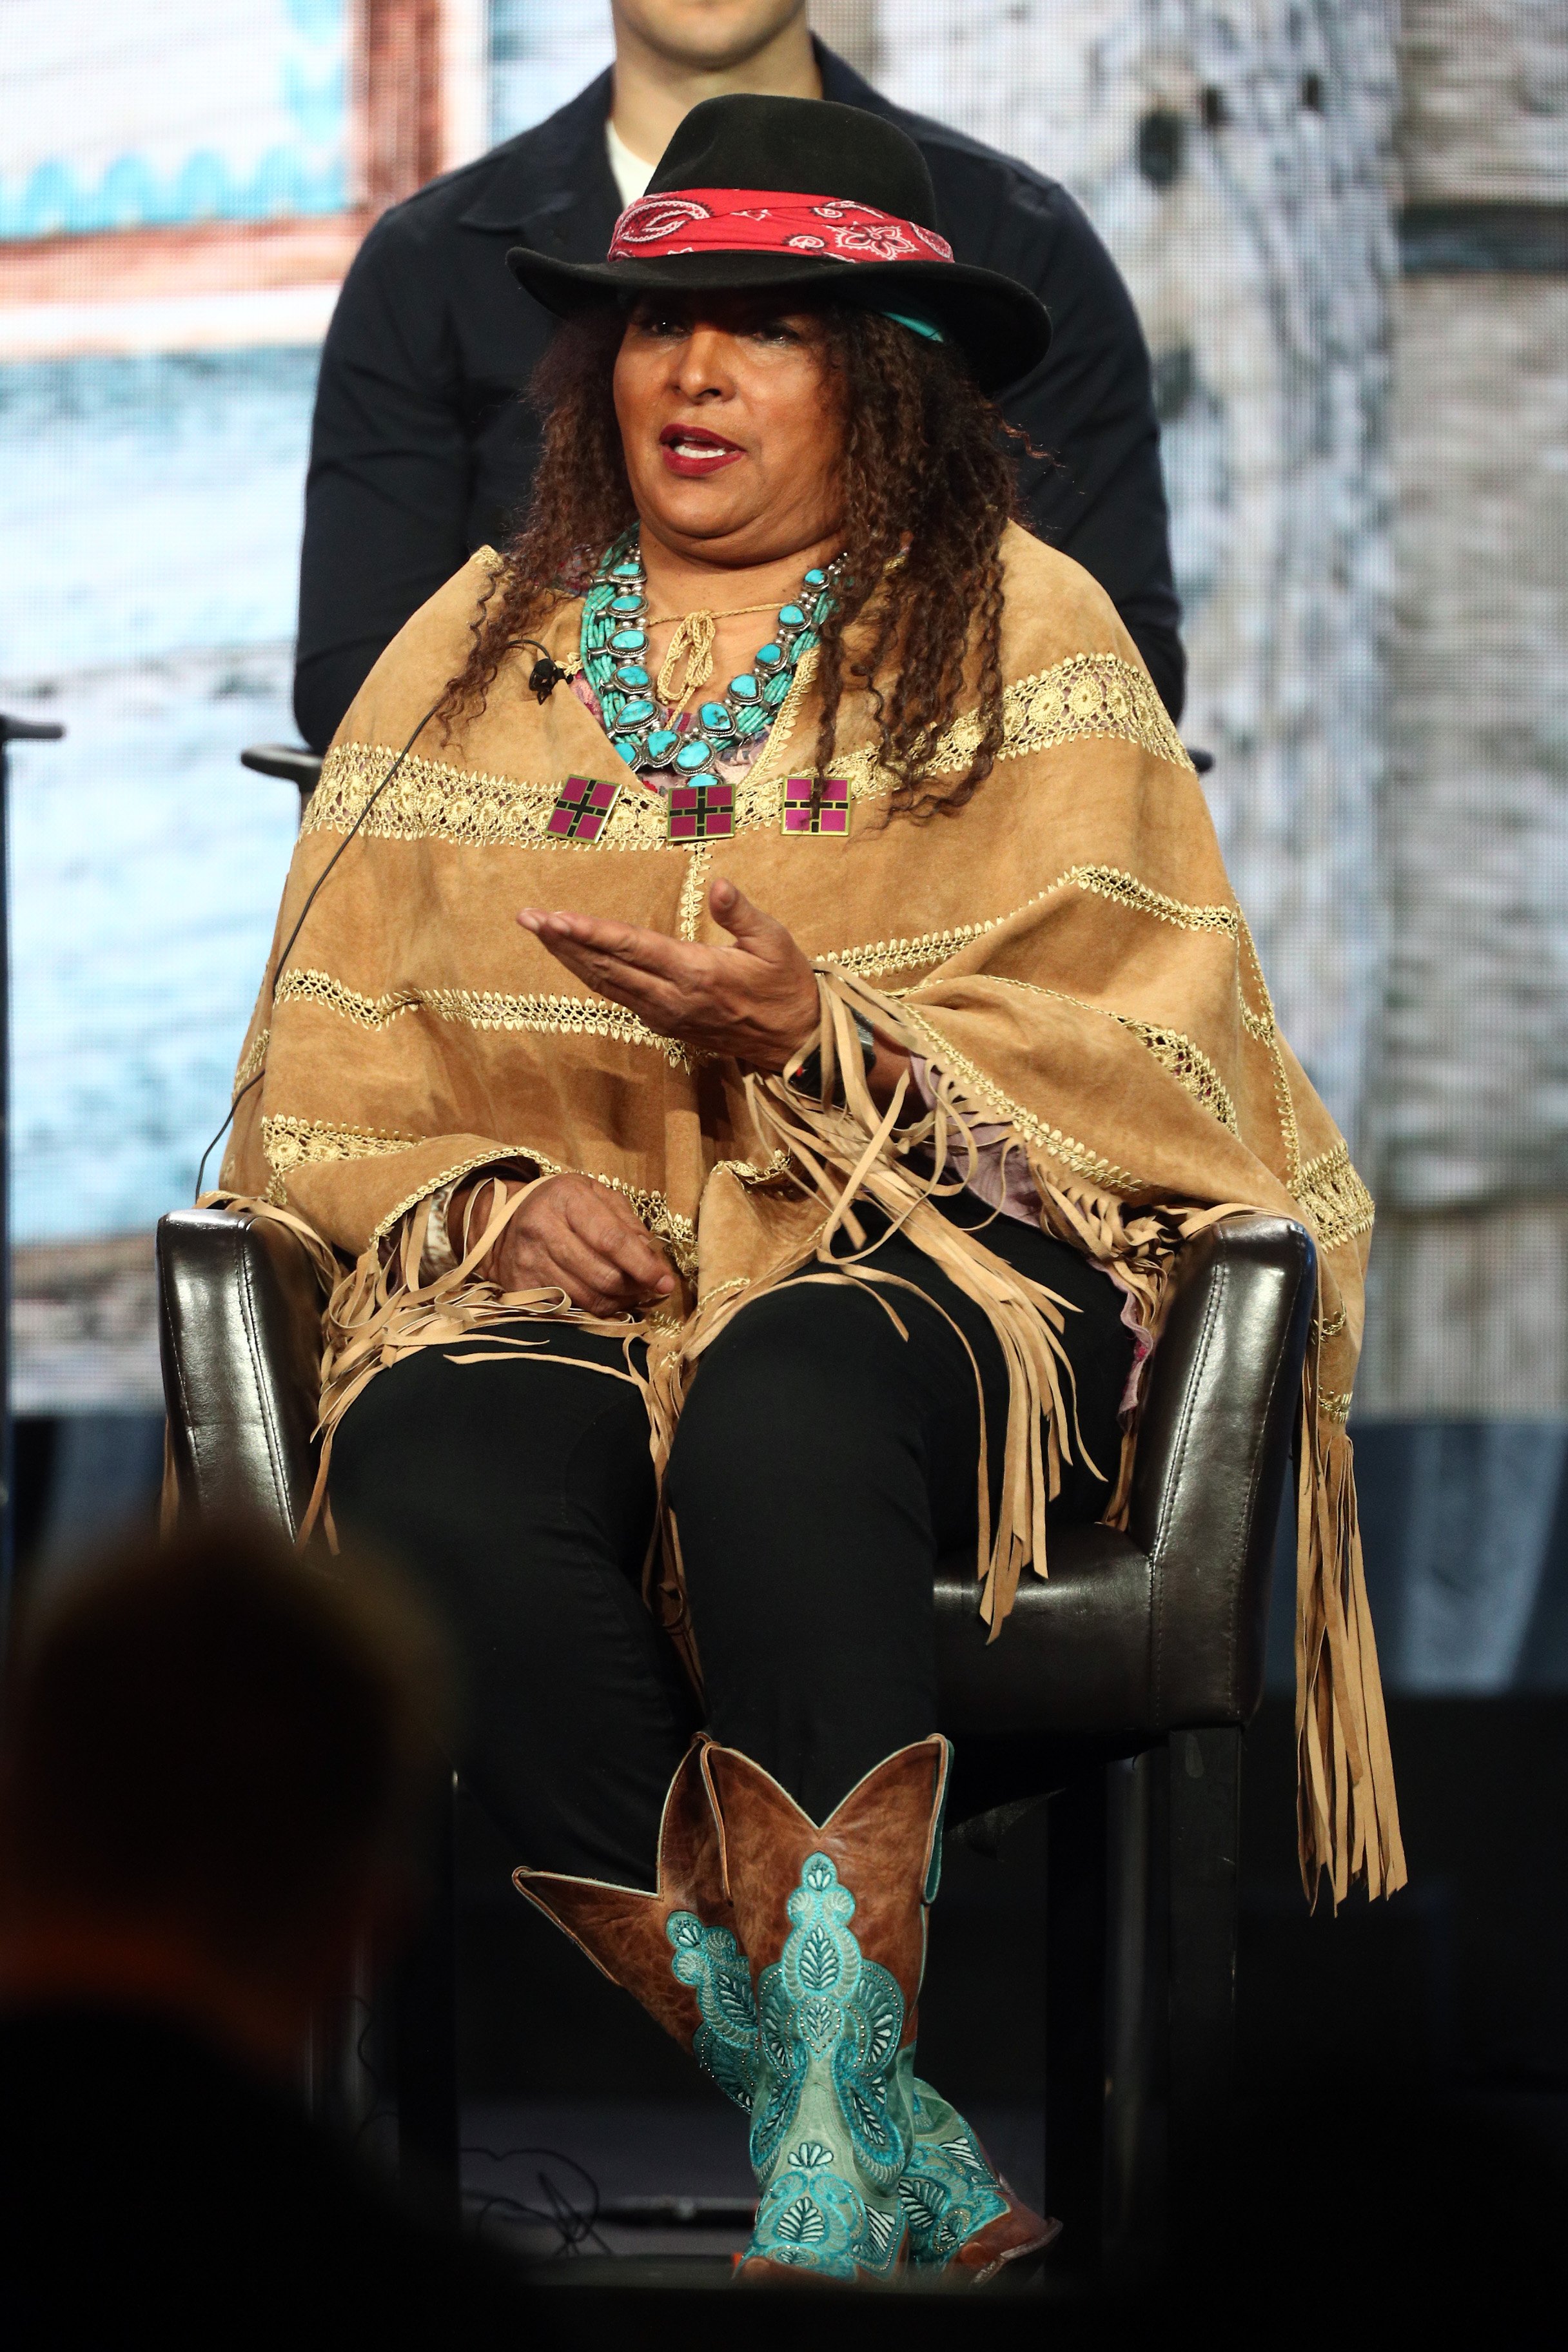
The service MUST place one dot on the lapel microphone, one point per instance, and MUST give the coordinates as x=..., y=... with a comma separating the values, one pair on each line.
x=546, y=674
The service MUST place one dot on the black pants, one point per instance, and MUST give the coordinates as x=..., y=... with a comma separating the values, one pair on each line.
x=822, y=1465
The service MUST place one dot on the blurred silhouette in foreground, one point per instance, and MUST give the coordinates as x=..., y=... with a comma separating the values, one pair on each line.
x=214, y=1763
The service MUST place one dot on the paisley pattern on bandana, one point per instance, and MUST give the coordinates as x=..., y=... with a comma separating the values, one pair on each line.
x=760, y=220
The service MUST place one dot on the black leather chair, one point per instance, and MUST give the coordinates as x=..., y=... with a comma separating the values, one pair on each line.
x=1121, y=1687
x=1121, y=1684
x=291, y=763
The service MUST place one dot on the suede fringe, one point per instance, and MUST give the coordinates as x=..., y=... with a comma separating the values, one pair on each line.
x=382, y=1310
x=852, y=1151
x=1347, y=1814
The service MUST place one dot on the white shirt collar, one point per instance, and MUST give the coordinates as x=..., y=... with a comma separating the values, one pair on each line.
x=630, y=173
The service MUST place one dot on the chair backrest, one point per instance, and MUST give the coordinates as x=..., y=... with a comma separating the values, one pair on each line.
x=292, y=762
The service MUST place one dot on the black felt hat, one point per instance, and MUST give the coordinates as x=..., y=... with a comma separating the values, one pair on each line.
x=802, y=196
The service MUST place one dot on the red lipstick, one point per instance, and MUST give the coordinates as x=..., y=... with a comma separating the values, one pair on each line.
x=695, y=451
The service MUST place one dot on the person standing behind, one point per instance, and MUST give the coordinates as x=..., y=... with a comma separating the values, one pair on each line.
x=421, y=450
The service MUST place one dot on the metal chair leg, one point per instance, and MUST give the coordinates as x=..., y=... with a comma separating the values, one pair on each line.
x=1205, y=1837
x=1075, y=2017
x=1137, y=1968
x=339, y=2079
x=424, y=2041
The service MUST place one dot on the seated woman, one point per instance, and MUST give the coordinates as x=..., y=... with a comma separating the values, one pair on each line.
x=755, y=1011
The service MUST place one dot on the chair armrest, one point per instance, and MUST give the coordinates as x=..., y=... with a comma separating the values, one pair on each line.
x=239, y=1328
x=1223, y=1393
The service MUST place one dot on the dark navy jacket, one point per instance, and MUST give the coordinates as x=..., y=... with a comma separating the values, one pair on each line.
x=421, y=449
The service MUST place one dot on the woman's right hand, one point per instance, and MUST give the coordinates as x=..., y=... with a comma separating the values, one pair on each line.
x=578, y=1236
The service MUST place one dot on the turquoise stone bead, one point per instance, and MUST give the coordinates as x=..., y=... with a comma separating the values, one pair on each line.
x=615, y=632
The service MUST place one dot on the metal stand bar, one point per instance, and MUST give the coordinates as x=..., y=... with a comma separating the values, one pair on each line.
x=11, y=730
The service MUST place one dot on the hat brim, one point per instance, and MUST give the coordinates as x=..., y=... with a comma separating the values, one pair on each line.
x=1001, y=329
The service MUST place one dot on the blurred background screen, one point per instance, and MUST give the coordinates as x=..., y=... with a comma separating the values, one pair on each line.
x=1345, y=225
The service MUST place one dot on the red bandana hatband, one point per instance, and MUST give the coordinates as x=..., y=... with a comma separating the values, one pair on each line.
x=759, y=220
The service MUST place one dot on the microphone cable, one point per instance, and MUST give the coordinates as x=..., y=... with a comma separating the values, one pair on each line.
x=309, y=902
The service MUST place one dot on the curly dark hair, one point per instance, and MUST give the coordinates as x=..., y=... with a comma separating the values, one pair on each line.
x=928, y=475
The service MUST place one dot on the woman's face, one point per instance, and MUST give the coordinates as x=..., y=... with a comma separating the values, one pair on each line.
x=733, y=436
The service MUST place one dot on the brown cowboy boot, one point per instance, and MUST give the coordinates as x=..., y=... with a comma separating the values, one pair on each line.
x=860, y=2165
x=675, y=1950
x=952, y=2192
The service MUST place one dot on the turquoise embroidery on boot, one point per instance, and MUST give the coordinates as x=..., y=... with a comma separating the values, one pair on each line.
x=948, y=2191
x=811, y=2217
x=829, y=2025
x=709, y=1960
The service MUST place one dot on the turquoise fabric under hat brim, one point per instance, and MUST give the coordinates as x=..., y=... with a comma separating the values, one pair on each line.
x=916, y=326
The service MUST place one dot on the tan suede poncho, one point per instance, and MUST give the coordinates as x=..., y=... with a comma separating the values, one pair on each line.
x=1065, y=954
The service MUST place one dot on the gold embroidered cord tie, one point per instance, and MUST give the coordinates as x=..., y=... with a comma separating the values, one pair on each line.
x=693, y=644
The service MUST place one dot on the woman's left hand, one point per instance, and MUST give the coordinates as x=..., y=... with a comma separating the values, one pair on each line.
x=756, y=1000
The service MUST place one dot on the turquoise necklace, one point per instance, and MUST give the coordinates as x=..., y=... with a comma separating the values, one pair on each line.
x=615, y=659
